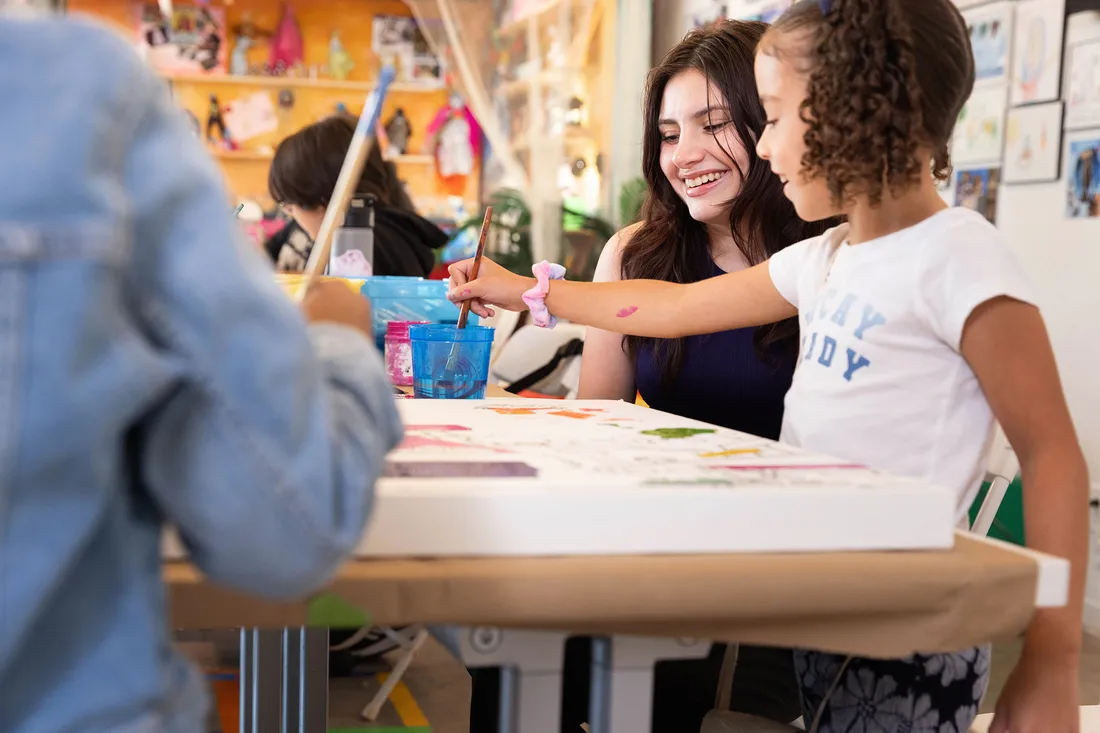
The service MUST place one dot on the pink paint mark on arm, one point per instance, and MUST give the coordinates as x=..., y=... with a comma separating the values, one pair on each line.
x=466, y=293
x=626, y=312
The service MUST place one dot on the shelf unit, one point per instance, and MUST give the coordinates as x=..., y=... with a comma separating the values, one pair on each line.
x=298, y=82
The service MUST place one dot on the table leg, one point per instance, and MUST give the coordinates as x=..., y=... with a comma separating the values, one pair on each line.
x=266, y=681
x=244, y=682
x=530, y=683
x=313, y=680
x=292, y=661
x=622, y=679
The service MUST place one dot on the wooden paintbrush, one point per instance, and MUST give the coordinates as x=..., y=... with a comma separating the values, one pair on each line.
x=361, y=143
x=451, y=366
x=464, y=311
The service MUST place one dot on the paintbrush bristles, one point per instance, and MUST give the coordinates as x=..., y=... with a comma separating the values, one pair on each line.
x=464, y=311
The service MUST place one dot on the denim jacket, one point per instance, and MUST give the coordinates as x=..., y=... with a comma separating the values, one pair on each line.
x=151, y=372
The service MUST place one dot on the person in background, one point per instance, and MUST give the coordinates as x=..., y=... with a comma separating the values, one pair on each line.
x=301, y=180
x=713, y=207
x=151, y=373
x=919, y=330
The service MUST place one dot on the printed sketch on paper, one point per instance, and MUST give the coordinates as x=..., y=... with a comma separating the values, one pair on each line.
x=1083, y=87
x=990, y=28
x=1033, y=143
x=977, y=189
x=1083, y=178
x=1037, y=51
x=979, y=134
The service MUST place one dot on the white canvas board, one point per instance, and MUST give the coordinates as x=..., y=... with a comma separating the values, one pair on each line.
x=979, y=133
x=990, y=28
x=1083, y=86
x=1037, y=51
x=529, y=478
x=1033, y=144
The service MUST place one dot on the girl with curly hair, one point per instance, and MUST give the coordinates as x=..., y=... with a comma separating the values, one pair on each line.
x=917, y=331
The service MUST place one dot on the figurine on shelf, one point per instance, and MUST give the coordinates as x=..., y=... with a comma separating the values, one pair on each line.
x=238, y=60
x=339, y=60
x=214, y=120
x=398, y=130
x=455, y=140
x=286, y=45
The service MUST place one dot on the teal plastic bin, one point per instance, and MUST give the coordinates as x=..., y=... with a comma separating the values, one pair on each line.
x=408, y=299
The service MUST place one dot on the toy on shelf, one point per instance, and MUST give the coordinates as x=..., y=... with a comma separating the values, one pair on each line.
x=398, y=132
x=286, y=44
x=214, y=120
x=340, y=62
x=455, y=141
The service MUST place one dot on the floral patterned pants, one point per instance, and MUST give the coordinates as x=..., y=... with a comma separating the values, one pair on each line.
x=924, y=693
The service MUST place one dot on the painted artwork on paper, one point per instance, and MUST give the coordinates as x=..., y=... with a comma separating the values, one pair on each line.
x=765, y=11
x=979, y=133
x=990, y=28
x=1083, y=86
x=702, y=13
x=1033, y=144
x=189, y=40
x=976, y=189
x=1083, y=177
x=1037, y=51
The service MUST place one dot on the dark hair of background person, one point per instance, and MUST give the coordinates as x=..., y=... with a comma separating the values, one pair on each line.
x=670, y=245
x=307, y=164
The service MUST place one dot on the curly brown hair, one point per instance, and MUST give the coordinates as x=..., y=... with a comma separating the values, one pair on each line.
x=886, y=80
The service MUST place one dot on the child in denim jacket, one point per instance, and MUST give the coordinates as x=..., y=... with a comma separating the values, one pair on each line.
x=150, y=371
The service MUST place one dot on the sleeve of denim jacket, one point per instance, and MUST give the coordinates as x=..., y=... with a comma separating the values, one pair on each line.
x=265, y=454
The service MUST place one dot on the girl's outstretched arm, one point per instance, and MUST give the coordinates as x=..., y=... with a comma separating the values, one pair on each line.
x=650, y=308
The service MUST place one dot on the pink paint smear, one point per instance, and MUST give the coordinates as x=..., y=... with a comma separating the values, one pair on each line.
x=625, y=312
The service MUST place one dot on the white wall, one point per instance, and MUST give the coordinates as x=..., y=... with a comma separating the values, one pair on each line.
x=1062, y=259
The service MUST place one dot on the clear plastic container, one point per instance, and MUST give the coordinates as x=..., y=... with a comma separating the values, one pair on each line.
x=399, y=353
x=352, y=253
x=449, y=363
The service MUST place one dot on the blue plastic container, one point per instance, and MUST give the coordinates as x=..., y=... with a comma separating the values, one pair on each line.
x=448, y=363
x=408, y=299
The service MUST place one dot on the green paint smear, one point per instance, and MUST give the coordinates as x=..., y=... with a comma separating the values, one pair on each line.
x=334, y=612
x=676, y=433
x=689, y=482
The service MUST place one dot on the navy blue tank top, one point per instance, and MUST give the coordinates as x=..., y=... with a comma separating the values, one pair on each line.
x=722, y=381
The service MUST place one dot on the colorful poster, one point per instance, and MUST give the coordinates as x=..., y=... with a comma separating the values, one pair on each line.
x=1037, y=51
x=979, y=133
x=701, y=13
x=191, y=41
x=1083, y=86
x=977, y=189
x=766, y=11
x=990, y=28
x=1083, y=177
x=1033, y=143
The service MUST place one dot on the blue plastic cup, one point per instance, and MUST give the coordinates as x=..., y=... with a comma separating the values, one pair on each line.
x=448, y=363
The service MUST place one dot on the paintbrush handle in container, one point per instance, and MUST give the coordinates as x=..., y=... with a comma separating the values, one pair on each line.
x=346, y=183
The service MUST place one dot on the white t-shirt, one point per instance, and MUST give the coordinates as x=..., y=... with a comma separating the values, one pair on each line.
x=880, y=378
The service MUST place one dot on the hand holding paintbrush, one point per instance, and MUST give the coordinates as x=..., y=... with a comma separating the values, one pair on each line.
x=464, y=311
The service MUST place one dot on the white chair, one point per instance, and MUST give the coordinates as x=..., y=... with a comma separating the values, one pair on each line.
x=1090, y=720
x=531, y=348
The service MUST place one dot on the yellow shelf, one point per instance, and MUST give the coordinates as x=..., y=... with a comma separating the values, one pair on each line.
x=241, y=154
x=282, y=82
x=414, y=160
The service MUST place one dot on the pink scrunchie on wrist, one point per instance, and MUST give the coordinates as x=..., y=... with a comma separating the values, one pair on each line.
x=535, y=298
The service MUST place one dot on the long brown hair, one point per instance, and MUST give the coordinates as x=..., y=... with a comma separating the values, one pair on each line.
x=670, y=245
